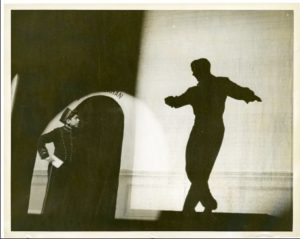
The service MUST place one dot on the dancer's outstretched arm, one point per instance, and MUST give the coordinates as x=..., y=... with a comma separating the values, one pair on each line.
x=240, y=93
x=178, y=101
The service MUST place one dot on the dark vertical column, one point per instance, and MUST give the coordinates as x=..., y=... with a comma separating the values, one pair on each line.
x=97, y=162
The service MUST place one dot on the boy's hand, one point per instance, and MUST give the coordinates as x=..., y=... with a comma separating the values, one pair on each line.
x=49, y=159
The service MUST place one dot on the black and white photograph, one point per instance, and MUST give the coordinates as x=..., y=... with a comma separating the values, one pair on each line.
x=150, y=119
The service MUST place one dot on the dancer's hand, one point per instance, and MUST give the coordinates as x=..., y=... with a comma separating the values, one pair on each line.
x=254, y=98
x=257, y=98
x=169, y=101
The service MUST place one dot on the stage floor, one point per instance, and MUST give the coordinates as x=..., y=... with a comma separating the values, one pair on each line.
x=171, y=221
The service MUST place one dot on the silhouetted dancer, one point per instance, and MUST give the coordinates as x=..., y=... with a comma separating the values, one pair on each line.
x=57, y=195
x=208, y=102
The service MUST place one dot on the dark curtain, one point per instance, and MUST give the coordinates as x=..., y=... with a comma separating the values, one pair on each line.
x=97, y=160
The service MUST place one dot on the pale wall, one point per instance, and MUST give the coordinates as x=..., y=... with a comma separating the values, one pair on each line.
x=253, y=49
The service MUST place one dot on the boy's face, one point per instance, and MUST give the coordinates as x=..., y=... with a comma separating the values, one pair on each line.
x=74, y=121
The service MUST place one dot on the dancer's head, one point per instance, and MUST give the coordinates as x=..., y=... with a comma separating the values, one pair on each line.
x=201, y=68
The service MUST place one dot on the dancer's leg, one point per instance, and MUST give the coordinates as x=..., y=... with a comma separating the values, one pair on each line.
x=191, y=199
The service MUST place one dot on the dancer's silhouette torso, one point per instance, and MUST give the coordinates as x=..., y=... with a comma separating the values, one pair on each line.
x=208, y=102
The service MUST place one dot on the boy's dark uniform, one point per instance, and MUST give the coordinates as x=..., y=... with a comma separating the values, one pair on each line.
x=58, y=197
x=58, y=178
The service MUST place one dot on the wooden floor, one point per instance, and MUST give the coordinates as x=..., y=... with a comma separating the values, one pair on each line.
x=172, y=221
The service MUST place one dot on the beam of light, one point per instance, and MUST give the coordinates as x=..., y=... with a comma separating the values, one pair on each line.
x=14, y=88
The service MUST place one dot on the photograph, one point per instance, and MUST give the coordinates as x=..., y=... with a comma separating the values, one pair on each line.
x=162, y=119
